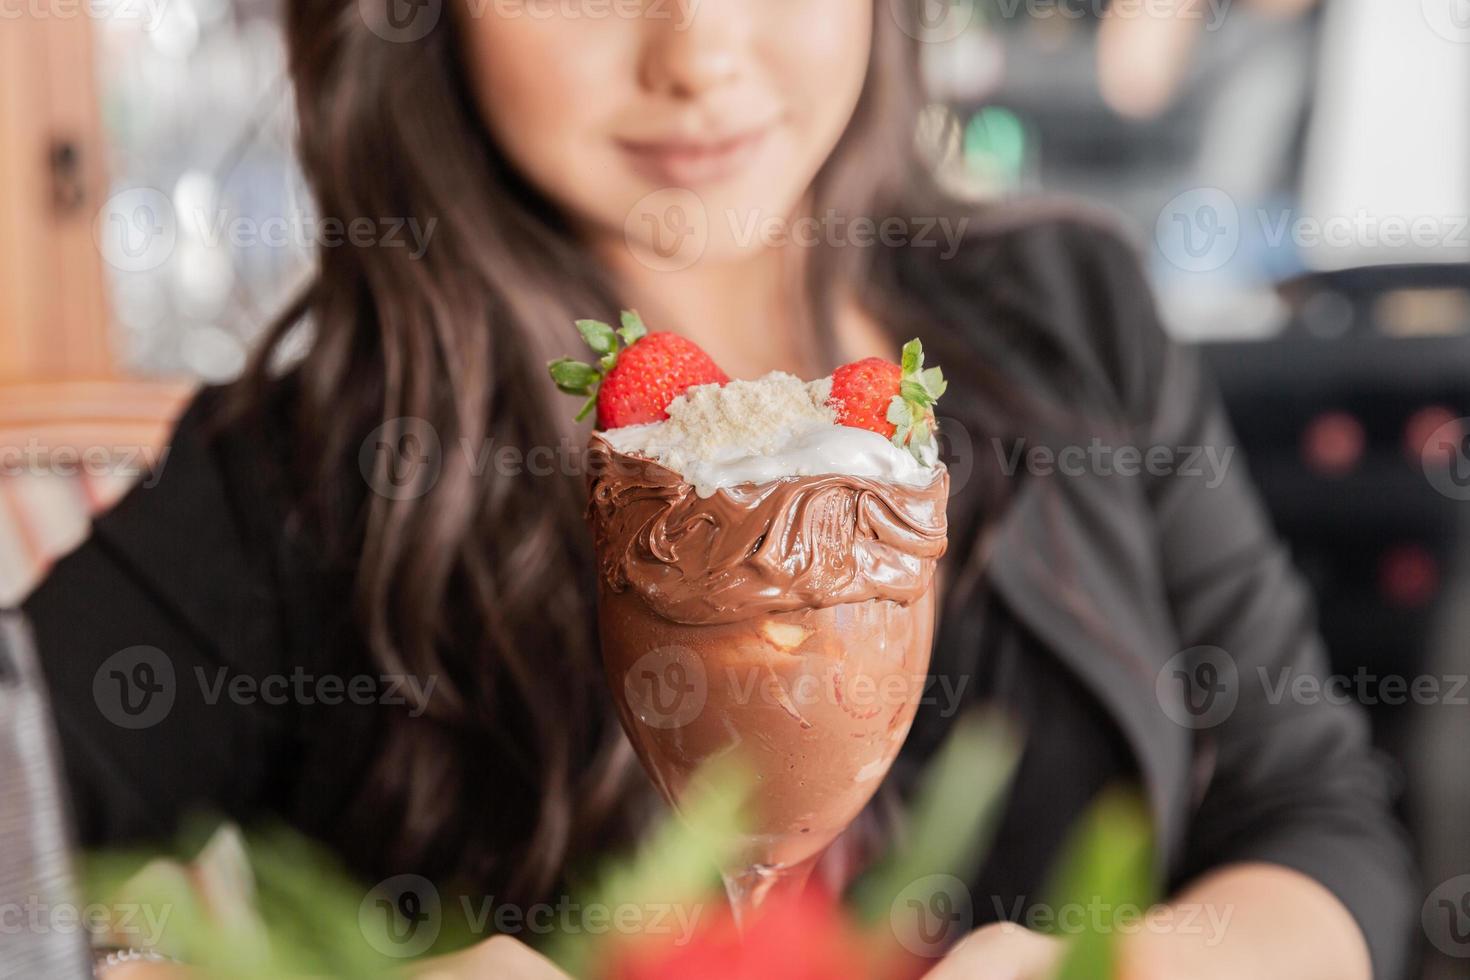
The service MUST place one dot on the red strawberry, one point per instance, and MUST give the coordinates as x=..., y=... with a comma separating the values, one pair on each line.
x=895, y=401
x=862, y=392
x=634, y=383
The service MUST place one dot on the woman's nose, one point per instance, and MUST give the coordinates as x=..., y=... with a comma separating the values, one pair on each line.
x=694, y=46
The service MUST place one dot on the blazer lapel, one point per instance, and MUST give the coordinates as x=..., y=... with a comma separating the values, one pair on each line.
x=1073, y=560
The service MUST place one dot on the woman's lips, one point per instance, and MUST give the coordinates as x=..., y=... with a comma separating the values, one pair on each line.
x=687, y=162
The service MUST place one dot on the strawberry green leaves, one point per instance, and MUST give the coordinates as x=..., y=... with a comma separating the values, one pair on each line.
x=632, y=327
x=912, y=409
x=579, y=378
x=598, y=335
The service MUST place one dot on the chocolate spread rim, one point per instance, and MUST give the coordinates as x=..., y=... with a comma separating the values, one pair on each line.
x=797, y=542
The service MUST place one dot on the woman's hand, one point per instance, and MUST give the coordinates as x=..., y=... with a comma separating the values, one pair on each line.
x=1003, y=951
x=1242, y=920
x=499, y=957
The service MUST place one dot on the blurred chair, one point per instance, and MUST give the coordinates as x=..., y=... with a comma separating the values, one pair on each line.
x=35, y=841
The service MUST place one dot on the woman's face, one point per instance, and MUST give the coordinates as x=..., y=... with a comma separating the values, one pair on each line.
x=646, y=120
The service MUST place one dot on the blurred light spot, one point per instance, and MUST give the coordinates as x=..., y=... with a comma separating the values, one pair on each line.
x=1422, y=312
x=966, y=69
x=1408, y=576
x=212, y=353
x=139, y=302
x=210, y=11
x=1326, y=313
x=177, y=33
x=1433, y=452
x=203, y=274
x=1333, y=443
x=196, y=199
x=995, y=146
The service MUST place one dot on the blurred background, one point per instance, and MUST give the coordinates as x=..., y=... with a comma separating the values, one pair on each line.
x=1296, y=172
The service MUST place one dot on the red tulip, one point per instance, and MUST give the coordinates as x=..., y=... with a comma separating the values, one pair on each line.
x=801, y=938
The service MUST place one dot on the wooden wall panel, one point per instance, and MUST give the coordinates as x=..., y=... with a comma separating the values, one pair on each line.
x=53, y=310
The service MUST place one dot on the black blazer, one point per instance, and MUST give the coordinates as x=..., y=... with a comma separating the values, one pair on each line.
x=1139, y=623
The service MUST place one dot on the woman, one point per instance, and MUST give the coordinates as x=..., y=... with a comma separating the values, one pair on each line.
x=570, y=154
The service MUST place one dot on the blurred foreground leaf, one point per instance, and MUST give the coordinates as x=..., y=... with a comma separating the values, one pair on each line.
x=1107, y=869
x=677, y=865
x=287, y=911
x=952, y=818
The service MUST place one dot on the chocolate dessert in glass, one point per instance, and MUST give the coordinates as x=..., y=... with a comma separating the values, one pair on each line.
x=766, y=557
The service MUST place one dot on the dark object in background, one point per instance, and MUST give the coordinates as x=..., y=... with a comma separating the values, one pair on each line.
x=43, y=934
x=1355, y=423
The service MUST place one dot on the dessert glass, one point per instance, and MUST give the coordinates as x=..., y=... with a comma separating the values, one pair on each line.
x=787, y=622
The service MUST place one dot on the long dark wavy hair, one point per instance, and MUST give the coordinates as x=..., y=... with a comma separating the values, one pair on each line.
x=516, y=765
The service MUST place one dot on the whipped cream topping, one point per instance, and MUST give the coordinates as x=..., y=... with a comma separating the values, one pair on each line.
x=720, y=436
